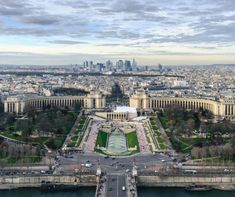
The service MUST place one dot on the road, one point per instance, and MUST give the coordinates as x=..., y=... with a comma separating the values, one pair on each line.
x=145, y=164
x=115, y=184
x=110, y=165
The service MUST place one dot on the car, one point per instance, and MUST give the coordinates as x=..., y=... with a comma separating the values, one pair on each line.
x=88, y=165
x=110, y=189
x=123, y=188
x=43, y=172
x=227, y=170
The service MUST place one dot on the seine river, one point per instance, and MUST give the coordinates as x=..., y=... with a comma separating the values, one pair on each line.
x=143, y=192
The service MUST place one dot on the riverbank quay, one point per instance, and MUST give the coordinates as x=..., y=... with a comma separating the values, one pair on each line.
x=217, y=182
x=225, y=182
x=14, y=182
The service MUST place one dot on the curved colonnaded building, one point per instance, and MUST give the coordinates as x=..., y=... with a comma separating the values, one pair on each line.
x=141, y=100
x=144, y=101
x=15, y=104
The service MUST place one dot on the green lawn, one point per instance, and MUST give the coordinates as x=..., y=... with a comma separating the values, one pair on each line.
x=55, y=143
x=164, y=120
x=77, y=131
x=80, y=125
x=72, y=144
x=179, y=146
x=40, y=140
x=74, y=138
x=162, y=146
x=102, y=139
x=157, y=134
x=15, y=160
x=13, y=136
x=159, y=139
x=132, y=140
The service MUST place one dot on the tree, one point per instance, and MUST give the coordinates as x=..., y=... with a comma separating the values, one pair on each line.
x=232, y=142
x=24, y=125
x=44, y=124
x=1, y=107
x=190, y=124
x=77, y=107
x=1, y=140
x=10, y=119
x=195, y=152
x=212, y=151
x=207, y=114
x=30, y=111
x=227, y=151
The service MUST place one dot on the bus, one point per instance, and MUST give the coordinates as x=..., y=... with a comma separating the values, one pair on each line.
x=190, y=171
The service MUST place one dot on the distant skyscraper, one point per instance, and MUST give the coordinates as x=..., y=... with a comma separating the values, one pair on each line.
x=120, y=65
x=85, y=65
x=108, y=65
x=90, y=67
x=134, y=65
x=100, y=67
x=160, y=67
x=127, y=65
x=146, y=68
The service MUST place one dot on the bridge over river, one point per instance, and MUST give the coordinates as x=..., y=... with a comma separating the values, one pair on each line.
x=116, y=185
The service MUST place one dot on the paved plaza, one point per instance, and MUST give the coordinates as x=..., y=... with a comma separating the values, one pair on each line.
x=143, y=143
x=108, y=126
x=91, y=140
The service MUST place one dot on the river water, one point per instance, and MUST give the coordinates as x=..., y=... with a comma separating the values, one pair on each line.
x=179, y=192
x=142, y=192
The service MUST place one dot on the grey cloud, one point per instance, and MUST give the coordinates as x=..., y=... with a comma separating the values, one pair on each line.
x=26, y=31
x=133, y=6
x=14, y=3
x=41, y=20
x=16, y=7
x=203, y=47
x=89, y=19
x=75, y=4
x=120, y=33
x=109, y=44
x=10, y=53
x=67, y=42
x=45, y=59
x=162, y=52
x=11, y=11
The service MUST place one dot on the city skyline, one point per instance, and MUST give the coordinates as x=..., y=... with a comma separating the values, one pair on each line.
x=72, y=31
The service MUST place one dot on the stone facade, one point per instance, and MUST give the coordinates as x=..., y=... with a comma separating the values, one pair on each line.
x=146, y=102
x=94, y=100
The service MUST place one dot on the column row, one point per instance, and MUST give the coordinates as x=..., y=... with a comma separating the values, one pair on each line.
x=39, y=104
x=181, y=103
x=230, y=110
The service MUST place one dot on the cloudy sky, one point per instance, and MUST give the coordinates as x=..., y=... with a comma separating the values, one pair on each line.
x=151, y=31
